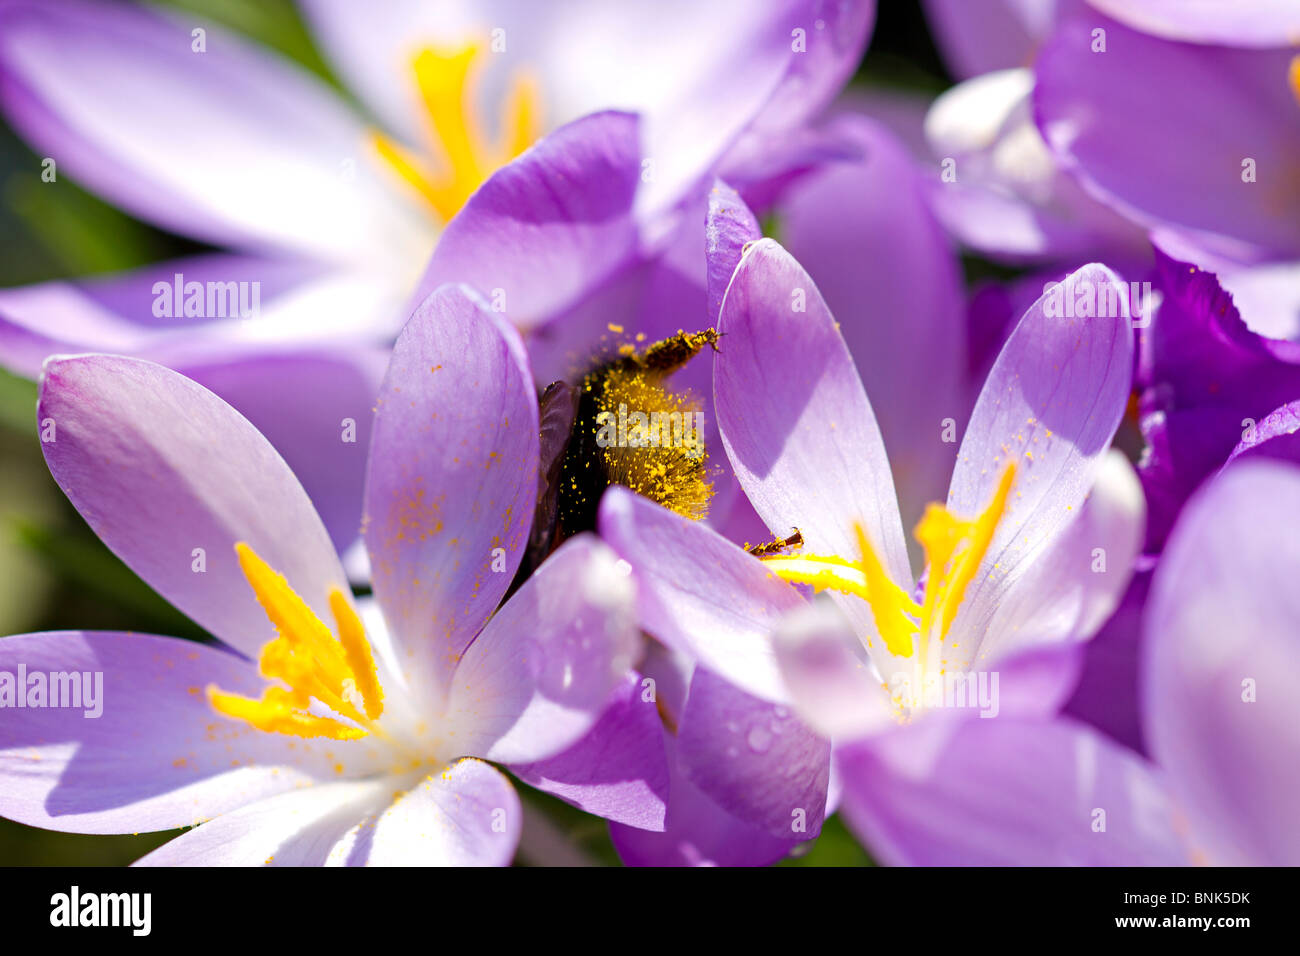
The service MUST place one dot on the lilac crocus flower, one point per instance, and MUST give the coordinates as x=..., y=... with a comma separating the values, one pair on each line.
x=1219, y=665
x=802, y=438
x=330, y=215
x=366, y=749
x=1011, y=557
x=204, y=134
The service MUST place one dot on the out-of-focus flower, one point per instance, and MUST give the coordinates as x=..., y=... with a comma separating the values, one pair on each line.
x=1219, y=660
x=983, y=36
x=360, y=749
x=206, y=135
x=997, y=187
x=1217, y=129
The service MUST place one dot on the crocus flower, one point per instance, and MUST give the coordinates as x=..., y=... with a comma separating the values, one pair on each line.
x=999, y=554
x=319, y=731
x=1219, y=663
x=204, y=134
x=874, y=180
x=1014, y=555
x=332, y=214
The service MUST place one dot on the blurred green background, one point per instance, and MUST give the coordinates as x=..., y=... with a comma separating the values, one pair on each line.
x=55, y=574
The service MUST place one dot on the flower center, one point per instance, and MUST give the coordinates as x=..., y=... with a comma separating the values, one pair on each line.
x=340, y=674
x=954, y=548
x=464, y=157
x=1293, y=76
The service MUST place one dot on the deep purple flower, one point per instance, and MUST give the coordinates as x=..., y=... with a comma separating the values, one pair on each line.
x=430, y=676
x=1209, y=383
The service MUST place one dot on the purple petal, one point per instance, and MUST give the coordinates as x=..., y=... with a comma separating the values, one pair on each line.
x=697, y=832
x=1213, y=382
x=1008, y=197
x=992, y=35
x=115, y=313
x=699, y=593
x=157, y=756
x=1277, y=436
x=729, y=226
x=754, y=758
x=547, y=229
x=1220, y=664
x=307, y=827
x=1077, y=581
x=315, y=407
x=452, y=479
x=467, y=814
x=618, y=770
x=539, y=676
x=1050, y=406
x=835, y=44
x=161, y=468
x=830, y=678
x=1252, y=23
x=1107, y=694
x=1150, y=97
x=1006, y=792
x=805, y=445
x=864, y=232
x=795, y=421
x=89, y=84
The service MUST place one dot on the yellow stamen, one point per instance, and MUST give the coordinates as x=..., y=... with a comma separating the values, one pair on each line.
x=941, y=535
x=307, y=658
x=954, y=549
x=444, y=80
x=1293, y=76
x=357, y=648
